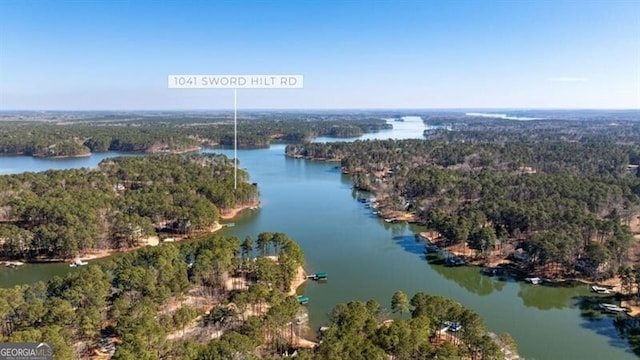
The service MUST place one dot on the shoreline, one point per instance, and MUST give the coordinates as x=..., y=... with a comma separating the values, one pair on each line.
x=60, y=156
x=104, y=253
x=90, y=153
x=329, y=160
x=504, y=262
x=298, y=340
x=232, y=213
x=183, y=151
x=497, y=257
x=298, y=280
x=395, y=215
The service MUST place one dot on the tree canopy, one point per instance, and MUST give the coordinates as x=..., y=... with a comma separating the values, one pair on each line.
x=62, y=213
x=562, y=192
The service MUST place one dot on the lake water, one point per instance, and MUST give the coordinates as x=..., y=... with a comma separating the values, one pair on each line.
x=19, y=164
x=367, y=258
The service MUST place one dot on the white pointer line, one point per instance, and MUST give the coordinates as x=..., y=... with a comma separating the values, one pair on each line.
x=235, y=82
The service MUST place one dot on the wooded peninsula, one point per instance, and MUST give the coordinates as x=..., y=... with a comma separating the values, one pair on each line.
x=556, y=197
x=59, y=134
x=213, y=299
x=61, y=214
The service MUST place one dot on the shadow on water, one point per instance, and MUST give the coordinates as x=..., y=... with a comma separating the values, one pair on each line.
x=539, y=296
x=468, y=277
x=334, y=170
x=397, y=229
x=410, y=244
x=621, y=330
x=360, y=195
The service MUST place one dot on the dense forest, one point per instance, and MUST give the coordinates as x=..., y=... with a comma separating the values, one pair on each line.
x=438, y=328
x=174, y=133
x=560, y=197
x=63, y=213
x=163, y=302
x=211, y=299
x=557, y=197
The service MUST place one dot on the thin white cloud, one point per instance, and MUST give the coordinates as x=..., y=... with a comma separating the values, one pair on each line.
x=568, y=79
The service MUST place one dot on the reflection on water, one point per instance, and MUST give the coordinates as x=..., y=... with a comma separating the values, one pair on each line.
x=32, y=273
x=622, y=331
x=468, y=277
x=538, y=296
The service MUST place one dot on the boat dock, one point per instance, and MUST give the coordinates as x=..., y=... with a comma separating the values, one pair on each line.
x=78, y=262
x=13, y=264
x=611, y=308
x=303, y=300
x=318, y=276
x=533, y=280
x=600, y=290
x=453, y=261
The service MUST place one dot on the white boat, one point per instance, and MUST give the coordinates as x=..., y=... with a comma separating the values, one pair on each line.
x=607, y=306
x=78, y=262
x=600, y=290
x=611, y=308
x=13, y=264
x=533, y=280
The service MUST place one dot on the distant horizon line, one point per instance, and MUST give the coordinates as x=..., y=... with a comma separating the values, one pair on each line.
x=330, y=109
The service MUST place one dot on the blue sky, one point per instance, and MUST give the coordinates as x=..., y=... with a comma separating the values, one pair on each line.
x=77, y=55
